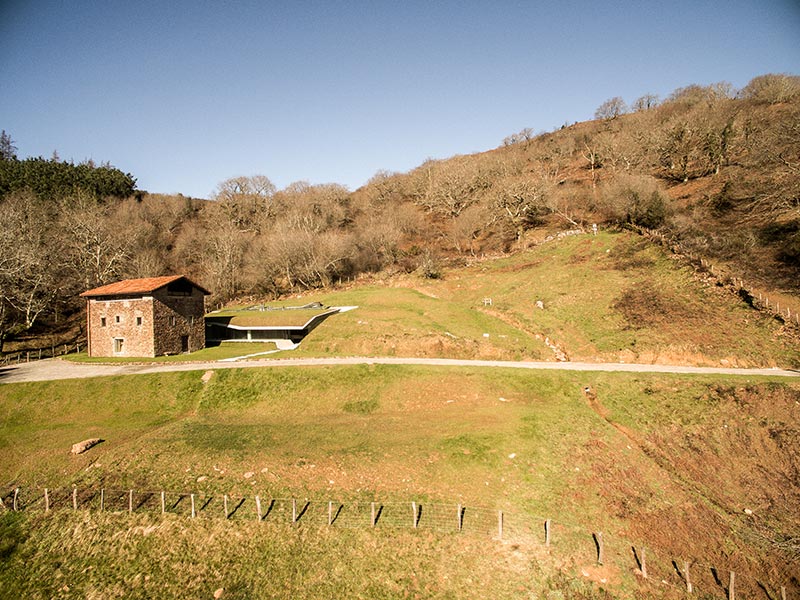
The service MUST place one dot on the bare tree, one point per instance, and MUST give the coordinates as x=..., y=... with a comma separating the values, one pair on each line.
x=645, y=102
x=520, y=202
x=772, y=88
x=453, y=185
x=611, y=109
x=246, y=201
x=31, y=263
x=8, y=151
x=98, y=250
x=523, y=136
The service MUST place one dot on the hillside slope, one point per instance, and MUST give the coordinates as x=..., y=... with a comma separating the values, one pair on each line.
x=628, y=455
x=716, y=171
x=605, y=298
x=701, y=469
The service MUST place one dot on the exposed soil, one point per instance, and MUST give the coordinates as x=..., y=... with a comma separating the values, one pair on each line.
x=735, y=481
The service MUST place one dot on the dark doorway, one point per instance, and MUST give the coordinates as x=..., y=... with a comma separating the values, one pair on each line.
x=184, y=343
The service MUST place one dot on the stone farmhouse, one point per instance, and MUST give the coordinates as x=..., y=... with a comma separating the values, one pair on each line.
x=146, y=317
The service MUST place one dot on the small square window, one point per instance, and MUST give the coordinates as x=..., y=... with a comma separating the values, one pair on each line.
x=117, y=319
x=173, y=320
x=138, y=320
x=102, y=321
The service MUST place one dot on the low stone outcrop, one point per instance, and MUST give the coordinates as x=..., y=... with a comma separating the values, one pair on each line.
x=83, y=446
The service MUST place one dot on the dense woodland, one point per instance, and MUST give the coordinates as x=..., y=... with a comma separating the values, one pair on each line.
x=715, y=167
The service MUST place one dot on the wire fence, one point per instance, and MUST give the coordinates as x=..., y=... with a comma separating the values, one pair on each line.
x=691, y=576
x=746, y=291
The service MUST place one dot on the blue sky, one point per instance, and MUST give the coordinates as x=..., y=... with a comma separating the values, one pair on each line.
x=186, y=94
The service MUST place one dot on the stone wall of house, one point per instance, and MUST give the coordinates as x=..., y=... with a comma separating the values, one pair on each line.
x=179, y=322
x=127, y=320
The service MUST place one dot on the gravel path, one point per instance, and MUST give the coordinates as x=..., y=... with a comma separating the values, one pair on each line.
x=53, y=369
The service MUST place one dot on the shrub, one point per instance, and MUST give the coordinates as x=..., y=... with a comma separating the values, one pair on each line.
x=638, y=200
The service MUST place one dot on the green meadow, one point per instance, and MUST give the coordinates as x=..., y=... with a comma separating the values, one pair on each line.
x=529, y=443
x=692, y=468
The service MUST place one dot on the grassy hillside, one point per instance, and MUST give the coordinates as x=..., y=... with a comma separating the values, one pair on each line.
x=692, y=468
x=607, y=298
x=715, y=170
x=628, y=459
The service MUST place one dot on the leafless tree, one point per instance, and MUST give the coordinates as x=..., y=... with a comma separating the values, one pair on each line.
x=772, y=88
x=611, y=109
x=246, y=201
x=520, y=202
x=645, y=102
x=523, y=136
x=97, y=248
x=31, y=263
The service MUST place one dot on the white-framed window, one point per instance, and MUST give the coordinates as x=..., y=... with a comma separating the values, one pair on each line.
x=119, y=344
x=173, y=320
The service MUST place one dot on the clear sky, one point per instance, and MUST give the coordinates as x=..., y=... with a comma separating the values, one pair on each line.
x=183, y=95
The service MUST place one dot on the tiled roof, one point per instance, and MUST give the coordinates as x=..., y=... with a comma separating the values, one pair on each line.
x=130, y=287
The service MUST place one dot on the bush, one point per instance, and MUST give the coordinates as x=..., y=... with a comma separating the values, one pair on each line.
x=638, y=200
x=430, y=267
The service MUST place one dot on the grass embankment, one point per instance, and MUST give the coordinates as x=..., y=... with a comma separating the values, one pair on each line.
x=606, y=298
x=222, y=351
x=70, y=555
x=626, y=459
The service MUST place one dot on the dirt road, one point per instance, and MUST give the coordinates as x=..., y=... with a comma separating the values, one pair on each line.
x=52, y=369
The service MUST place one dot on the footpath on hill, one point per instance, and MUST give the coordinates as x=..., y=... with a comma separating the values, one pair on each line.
x=54, y=369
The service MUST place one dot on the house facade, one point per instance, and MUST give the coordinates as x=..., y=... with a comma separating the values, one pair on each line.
x=146, y=317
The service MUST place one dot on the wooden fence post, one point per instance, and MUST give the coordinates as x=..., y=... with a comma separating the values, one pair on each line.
x=163, y=502
x=500, y=524
x=258, y=507
x=732, y=586
x=192, y=498
x=74, y=498
x=130, y=501
x=643, y=560
x=414, y=514
x=547, y=533
x=598, y=539
x=225, y=505
x=16, y=494
x=460, y=518
x=330, y=513
x=783, y=592
x=102, y=499
x=294, y=510
x=686, y=576
x=46, y=501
